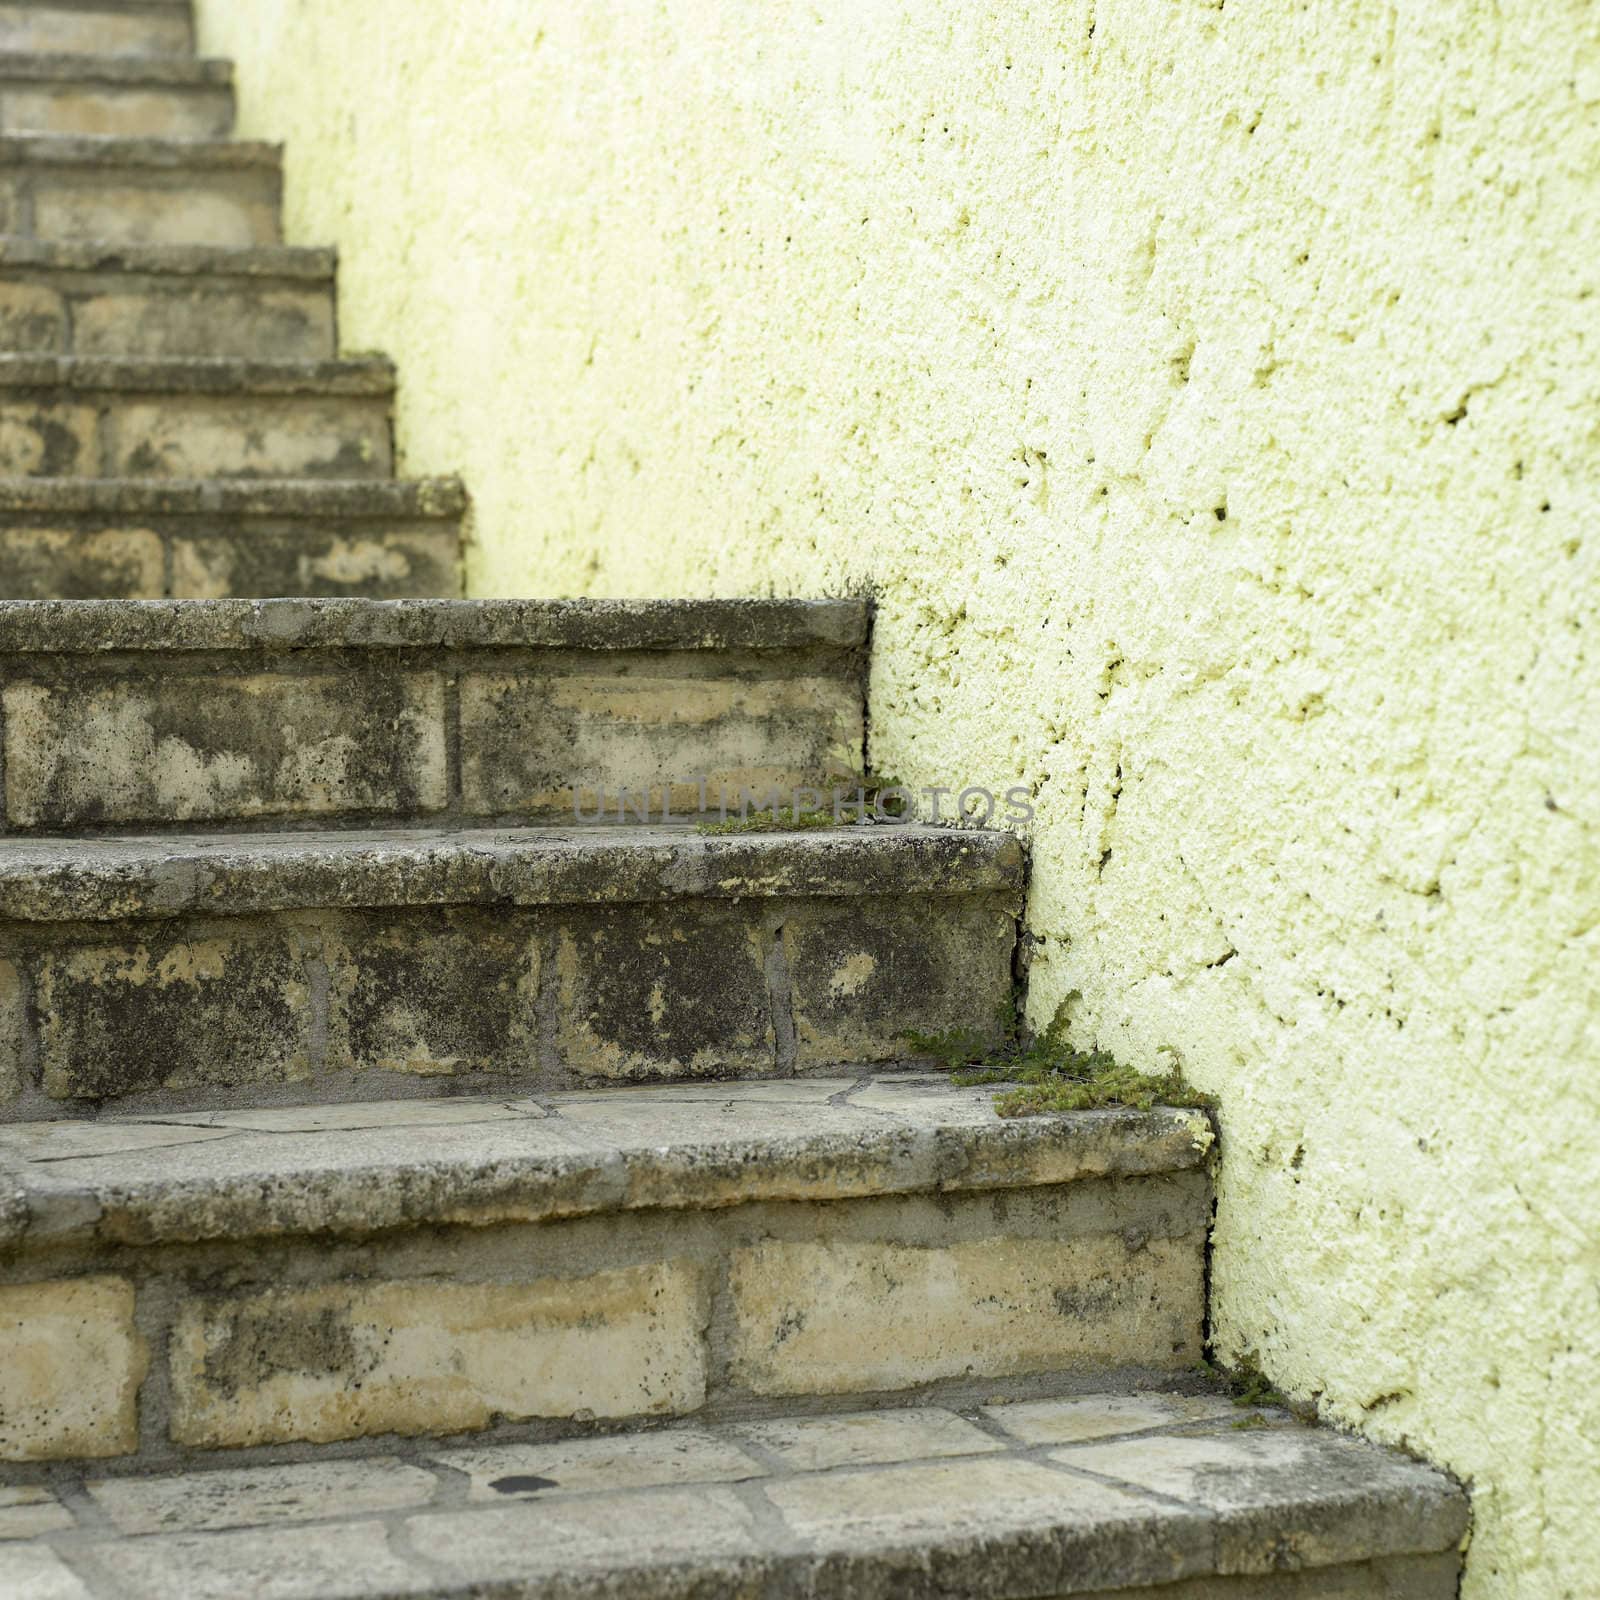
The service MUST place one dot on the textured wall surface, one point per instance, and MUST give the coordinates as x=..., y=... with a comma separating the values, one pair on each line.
x=1210, y=394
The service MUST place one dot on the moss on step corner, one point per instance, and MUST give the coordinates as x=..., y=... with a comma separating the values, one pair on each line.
x=853, y=800
x=1048, y=1074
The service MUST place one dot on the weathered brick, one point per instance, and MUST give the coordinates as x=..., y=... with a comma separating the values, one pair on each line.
x=835, y=1317
x=344, y=1360
x=71, y=1362
x=200, y=436
x=861, y=981
x=48, y=439
x=172, y=113
x=434, y=992
x=78, y=30
x=231, y=210
x=670, y=992
x=388, y=564
x=174, y=1010
x=223, y=746
x=68, y=564
x=13, y=1032
x=529, y=739
x=33, y=317
x=246, y=322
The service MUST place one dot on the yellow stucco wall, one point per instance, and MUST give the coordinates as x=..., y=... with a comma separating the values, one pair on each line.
x=1211, y=393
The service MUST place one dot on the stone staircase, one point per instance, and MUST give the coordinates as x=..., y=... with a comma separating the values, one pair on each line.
x=407, y=1190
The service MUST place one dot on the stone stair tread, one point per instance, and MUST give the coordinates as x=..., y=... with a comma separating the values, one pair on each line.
x=358, y=1167
x=351, y=375
x=83, y=626
x=1092, y=1491
x=64, y=879
x=110, y=150
x=161, y=71
x=268, y=497
x=90, y=255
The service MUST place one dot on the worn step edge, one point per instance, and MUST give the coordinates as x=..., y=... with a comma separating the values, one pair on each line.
x=1099, y=1491
x=171, y=155
x=178, y=72
x=63, y=627
x=351, y=499
x=354, y=375
x=189, y=1177
x=159, y=260
x=114, y=879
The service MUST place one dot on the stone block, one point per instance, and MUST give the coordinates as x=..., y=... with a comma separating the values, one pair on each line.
x=71, y=1362
x=80, y=30
x=48, y=438
x=338, y=1558
x=167, y=747
x=36, y=1572
x=33, y=317
x=68, y=564
x=434, y=992
x=315, y=561
x=126, y=113
x=252, y=1496
x=1288, y=1498
x=29, y=1511
x=177, y=1009
x=601, y=1544
x=229, y=210
x=869, y=1438
x=498, y=1473
x=13, y=1032
x=530, y=738
x=205, y=436
x=245, y=322
x=839, y=1317
x=1097, y=1416
x=662, y=992
x=861, y=980
x=341, y=1361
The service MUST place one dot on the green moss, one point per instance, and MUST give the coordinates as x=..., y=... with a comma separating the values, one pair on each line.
x=1244, y=1381
x=1050, y=1075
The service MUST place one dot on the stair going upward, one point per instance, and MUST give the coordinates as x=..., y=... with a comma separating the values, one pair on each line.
x=429, y=1165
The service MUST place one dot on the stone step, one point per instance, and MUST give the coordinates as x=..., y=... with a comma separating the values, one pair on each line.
x=116, y=416
x=131, y=715
x=182, y=971
x=140, y=191
x=81, y=298
x=1104, y=1494
x=121, y=96
x=261, y=1282
x=80, y=538
x=98, y=27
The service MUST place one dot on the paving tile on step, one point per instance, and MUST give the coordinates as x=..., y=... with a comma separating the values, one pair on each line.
x=865, y=1438
x=351, y=1558
x=239, y=1497
x=955, y=1511
x=501, y=1473
x=1289, y=1497
x=584, y=1535
x=34, y=1572
x=27, y=1511
x=1097, y=1416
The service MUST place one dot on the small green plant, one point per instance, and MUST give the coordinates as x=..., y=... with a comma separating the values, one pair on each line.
x=1048, y=1073
x=1245, y=1382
